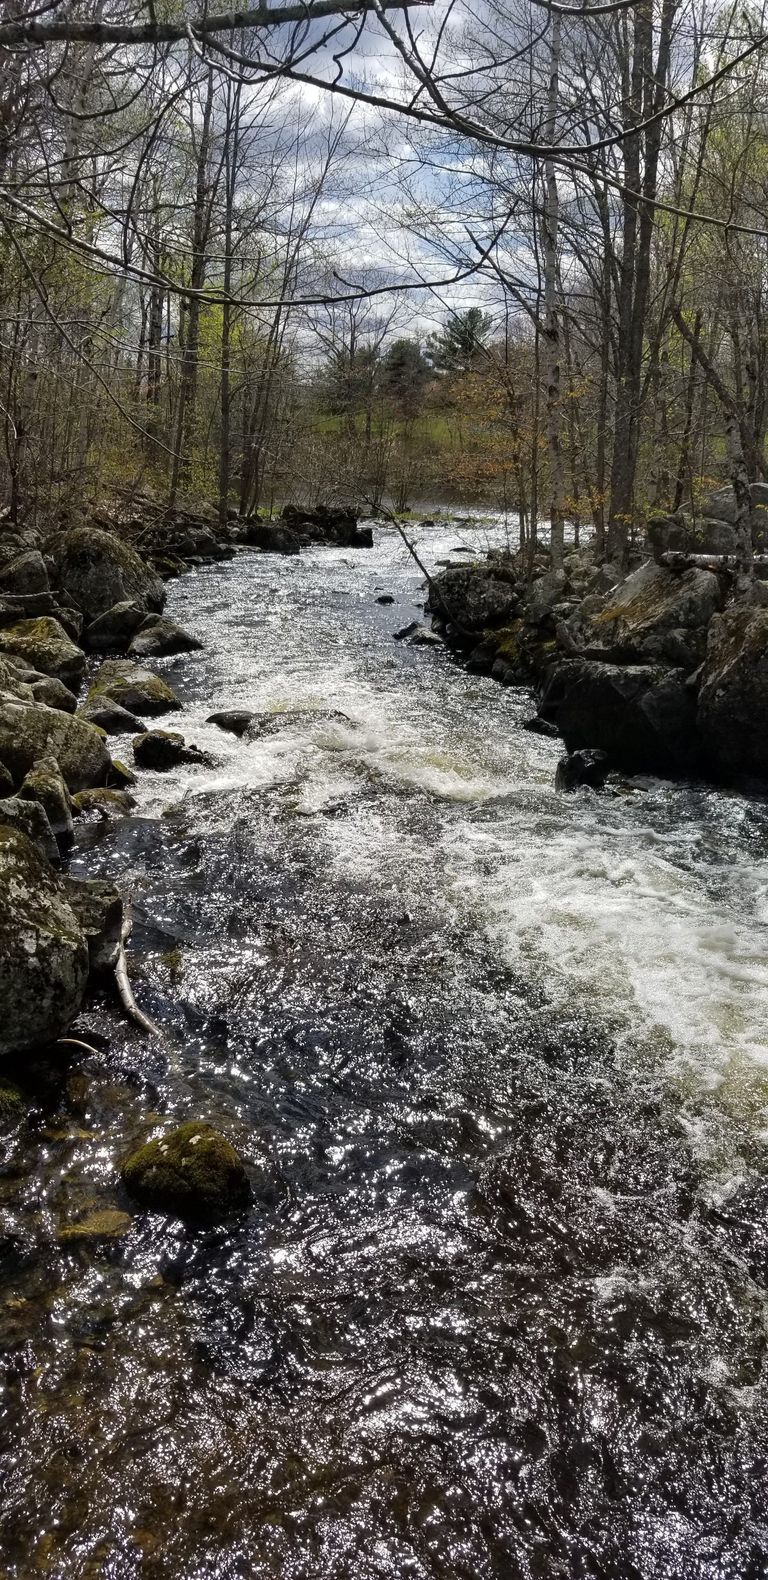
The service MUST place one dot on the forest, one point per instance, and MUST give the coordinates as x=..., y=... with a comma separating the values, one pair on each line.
x=512, y=256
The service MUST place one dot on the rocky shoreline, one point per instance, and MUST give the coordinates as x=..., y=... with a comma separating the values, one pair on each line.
x=663, y=670
x=95, y=591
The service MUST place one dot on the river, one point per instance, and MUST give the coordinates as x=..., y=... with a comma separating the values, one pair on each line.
x=496, y=1058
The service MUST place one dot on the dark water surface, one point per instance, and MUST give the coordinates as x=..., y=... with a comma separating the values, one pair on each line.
x=497, y=1062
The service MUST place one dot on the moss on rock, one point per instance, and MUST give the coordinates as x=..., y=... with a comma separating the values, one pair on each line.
x=103, y=803
x=45, y=785
x=31, y=731
x=135, y=688
x=97, y=570
x=106, y=1224
x=191, y=1172
x=44, y=644
x=12, y=1105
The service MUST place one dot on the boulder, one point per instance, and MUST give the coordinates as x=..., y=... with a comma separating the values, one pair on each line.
x=31, y=731
x=721, y=506
x=159, y=749
x=544, y=594
x=733, y=692
x=159, y=638
x=111, y=631
x=385, y=598
x=474, y=597
x=30, y=819
x=271, y=537
x=135, y=688
x=43, y=953
x=45, y=646
x=100, y=912
x=45, y=785
x=109, y=716
x=54, y=694
x=654, y=615
x=102, y=803
x=192, y=1173
x=644, y=717
x=235, y=720
x=585, y=767
x=97, y=570
x=6, y=782
x=26, y=574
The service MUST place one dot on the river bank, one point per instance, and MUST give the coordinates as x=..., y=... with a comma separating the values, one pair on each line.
x=494, y=1059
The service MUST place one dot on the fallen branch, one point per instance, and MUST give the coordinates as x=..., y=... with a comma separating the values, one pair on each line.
x=125, y=993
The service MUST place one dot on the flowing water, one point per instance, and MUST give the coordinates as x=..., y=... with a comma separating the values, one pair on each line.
x=496, y=1059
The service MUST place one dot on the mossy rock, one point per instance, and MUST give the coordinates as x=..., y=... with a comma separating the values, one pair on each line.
x=135, y=688
x=192, y=1173
x=30, y=731
x=120, y=776
x=45, y=785
x=44, y=644
x=12, y=1105
x=53, y=693
x=107, y=1224
x=98, y=570
x=30, y=818
x=43, y=951
x=102, y=803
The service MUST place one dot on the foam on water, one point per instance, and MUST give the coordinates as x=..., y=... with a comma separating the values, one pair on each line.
x=650, y=905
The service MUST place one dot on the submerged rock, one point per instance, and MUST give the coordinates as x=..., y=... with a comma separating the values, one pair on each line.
x=537, y=726
x=43, y=952
x=192, y=1173
x=733, y=693
x=29, y=732
x=159, y=638
x=584, y=767
x=97, y=570
x=235, y=720
x=45, y=645
x=107, y=1223
x=135, y=688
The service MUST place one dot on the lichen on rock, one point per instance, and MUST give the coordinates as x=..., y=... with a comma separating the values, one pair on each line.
x=43, y=951
x=31, y=731
x=97, y=570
